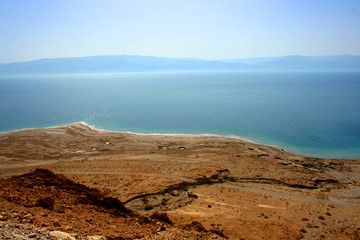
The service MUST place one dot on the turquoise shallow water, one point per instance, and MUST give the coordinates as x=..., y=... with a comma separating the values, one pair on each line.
x=310, y=113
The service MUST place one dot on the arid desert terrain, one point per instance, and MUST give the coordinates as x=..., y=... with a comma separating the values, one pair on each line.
x=106, y=185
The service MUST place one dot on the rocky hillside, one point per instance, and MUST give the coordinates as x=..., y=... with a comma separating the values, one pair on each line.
x=45, y=205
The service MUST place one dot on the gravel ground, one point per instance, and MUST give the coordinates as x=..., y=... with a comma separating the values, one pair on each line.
x=21, y=231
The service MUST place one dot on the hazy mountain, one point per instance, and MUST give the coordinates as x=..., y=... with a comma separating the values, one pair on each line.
x=120, y=63
x=251, y=61
x=298, y=62
x=124, y=63
x=343, y=62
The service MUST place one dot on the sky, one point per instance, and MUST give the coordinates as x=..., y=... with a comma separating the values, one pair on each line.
x=207, y=29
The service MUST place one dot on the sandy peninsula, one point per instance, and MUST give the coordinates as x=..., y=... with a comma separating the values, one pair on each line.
x=119, y=186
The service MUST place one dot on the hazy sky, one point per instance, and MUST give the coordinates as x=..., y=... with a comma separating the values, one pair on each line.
x=208, y=29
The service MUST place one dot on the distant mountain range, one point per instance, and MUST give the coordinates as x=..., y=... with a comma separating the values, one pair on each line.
x=125, y=63
x=298, y=62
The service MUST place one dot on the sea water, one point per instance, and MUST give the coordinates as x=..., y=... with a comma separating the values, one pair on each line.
x=309, y=113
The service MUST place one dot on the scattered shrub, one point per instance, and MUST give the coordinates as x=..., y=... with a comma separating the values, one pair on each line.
x=164, y=201
x=183, y=188
x=148, y=207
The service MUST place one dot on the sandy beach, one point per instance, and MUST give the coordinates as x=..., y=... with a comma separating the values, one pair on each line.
x=232, y=188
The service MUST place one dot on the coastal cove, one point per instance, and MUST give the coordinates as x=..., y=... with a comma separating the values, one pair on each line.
x=309, y=113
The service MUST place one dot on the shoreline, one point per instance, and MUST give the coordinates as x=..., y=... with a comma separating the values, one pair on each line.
x=226, y=184
x=283, y=148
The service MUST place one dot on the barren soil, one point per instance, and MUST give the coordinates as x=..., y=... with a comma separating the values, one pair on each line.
x=232, y=188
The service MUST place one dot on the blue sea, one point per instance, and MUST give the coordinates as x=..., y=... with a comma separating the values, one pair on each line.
x=308, y=113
